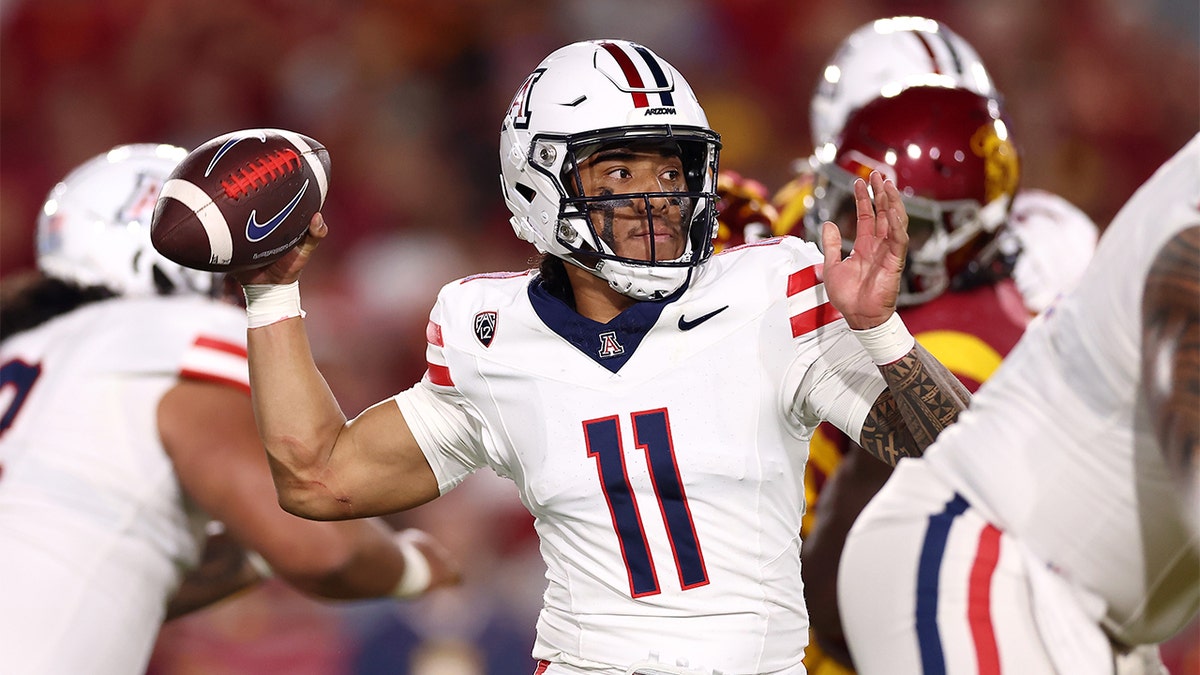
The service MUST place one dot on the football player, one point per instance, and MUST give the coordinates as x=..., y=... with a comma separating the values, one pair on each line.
x=667, y=494
x=1044, y=531
x=958, y=169
x=126, y=431
x=983, y=259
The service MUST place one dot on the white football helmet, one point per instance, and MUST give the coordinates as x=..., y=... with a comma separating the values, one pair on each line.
x=586, y=96
x=94, y=229
x=883, y=57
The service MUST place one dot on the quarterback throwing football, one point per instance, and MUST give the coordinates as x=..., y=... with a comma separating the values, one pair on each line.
x=667, y=492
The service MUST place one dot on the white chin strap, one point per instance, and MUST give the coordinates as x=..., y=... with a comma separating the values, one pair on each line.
x=640, y=282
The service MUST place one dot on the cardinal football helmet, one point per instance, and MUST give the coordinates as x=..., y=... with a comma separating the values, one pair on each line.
x=94, y=229
x=951, y=155
x=585, y=97
x=881, y=58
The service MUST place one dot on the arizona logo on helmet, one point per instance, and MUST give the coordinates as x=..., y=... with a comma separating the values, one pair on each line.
x=518, y=110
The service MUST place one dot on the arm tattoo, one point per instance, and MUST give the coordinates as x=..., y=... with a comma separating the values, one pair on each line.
x=923, y=397
x=1171, y=350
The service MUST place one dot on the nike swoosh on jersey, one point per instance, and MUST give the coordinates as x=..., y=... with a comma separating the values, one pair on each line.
x=684, y=324
x=256, y=231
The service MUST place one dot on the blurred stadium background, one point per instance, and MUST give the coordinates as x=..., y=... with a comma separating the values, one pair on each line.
x=407, y=95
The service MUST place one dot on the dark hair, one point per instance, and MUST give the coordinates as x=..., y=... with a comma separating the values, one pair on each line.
x=552, y=273
x=30, y=299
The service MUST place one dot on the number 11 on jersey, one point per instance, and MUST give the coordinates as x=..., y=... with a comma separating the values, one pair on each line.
x=651, y=433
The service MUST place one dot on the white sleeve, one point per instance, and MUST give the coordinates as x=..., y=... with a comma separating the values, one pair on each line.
x=446, y=432
x=833, y=379
x=190, y=337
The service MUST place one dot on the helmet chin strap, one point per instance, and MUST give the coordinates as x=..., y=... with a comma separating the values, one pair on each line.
x=653, y=284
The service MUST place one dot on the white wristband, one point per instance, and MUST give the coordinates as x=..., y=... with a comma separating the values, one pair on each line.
x=417, y=574
x=888, y=342
x=269, y=303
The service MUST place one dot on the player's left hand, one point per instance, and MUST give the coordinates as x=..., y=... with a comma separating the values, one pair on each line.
x=864, y=286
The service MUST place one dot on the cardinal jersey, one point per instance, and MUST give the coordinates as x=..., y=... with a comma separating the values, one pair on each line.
x=94, y=529
x=660, y=454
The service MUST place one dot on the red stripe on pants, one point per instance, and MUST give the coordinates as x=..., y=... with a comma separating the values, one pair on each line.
x=979, y=597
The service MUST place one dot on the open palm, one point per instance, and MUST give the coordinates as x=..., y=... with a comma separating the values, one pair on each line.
x=864, y=286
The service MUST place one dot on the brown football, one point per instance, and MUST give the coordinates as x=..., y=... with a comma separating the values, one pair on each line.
x=240, y=200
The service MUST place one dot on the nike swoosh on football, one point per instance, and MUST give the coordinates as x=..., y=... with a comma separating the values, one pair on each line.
x=684, y=324
x=256, y=231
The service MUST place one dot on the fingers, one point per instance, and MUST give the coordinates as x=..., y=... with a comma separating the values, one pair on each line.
x=897, y=215
x=287, y=269
x=891, y=219
x=831, y=243
x=317, y=229
x=882, y=199
x=317, y=226
x=865, y=213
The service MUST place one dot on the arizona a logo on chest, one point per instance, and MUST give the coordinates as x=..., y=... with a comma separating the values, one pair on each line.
x=609, y=345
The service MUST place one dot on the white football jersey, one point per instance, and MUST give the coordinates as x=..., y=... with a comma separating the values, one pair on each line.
x=95, y=532
x=662, y=454
x=1058, y=448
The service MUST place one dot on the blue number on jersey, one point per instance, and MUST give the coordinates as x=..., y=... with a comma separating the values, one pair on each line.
x=21, y=376
x=651, y=430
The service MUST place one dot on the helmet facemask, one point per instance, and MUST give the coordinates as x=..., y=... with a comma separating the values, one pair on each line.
x=679, y=214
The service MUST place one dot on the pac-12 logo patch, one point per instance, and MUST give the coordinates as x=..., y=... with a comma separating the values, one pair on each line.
x=485, y=328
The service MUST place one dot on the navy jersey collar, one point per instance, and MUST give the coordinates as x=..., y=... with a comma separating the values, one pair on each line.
x=608, y=344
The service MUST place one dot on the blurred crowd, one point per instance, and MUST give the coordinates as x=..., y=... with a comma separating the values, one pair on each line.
x=407, y=96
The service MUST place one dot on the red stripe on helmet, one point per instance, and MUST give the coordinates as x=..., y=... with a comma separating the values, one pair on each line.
x=631, y=73
x=929, y=50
